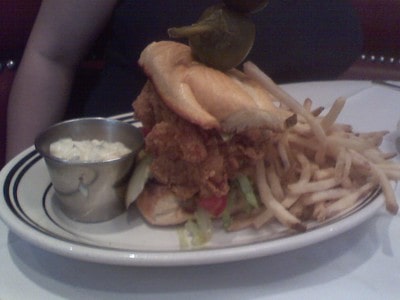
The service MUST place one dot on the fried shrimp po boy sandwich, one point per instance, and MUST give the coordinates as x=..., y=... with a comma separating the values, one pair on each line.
x=205, y=129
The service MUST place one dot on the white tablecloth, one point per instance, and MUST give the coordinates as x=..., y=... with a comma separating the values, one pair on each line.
x=363, y=263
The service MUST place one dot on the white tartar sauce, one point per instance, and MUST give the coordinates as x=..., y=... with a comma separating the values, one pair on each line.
x=87, y=150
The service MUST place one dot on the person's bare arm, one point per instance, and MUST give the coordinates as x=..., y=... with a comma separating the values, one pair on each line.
x=62, y=33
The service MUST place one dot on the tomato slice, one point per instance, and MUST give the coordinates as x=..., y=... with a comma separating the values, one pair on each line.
x=214, y=205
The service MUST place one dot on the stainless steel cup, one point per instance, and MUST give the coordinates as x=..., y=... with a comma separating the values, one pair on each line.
x=90, y=191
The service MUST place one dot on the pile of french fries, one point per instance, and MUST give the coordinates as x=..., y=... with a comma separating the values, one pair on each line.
x=318, y=168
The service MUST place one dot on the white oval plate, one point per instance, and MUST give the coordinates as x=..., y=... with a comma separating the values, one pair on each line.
x=27, y=207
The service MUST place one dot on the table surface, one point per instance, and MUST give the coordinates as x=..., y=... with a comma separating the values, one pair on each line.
x=362, y=263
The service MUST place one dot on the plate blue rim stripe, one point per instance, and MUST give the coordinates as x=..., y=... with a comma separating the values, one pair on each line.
x=10, y=190
x=16, y=173
x=33, y=157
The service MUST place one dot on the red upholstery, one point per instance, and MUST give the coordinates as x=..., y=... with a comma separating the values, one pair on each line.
x=380, y=21
x=16, y=19
x=6, y=78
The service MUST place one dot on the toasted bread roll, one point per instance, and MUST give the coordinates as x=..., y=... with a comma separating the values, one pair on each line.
x=203, y=95
x=159, y=206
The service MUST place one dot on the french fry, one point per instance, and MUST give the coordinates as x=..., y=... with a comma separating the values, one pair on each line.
x=348, y=200
x=317, y=168
x=280, y=213
x=327, y=195
x=343, y=167
x=314, y=186
x=307, y=104
x=339, y=128
x=377, y=156
x=317, y=111
x=263, y=218
x=333, y=113
x=306, y=169
x=324, y=173
x=242, y=221
x=283, y=152
x=374, y=138
x=290, y=200
x=302, y=129
x=390, y=198
x=320, y=212
x=253, y=71
x=274, y=182
x=392, y=171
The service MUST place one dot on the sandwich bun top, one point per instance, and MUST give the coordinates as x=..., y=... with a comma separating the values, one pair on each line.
x=205, y=96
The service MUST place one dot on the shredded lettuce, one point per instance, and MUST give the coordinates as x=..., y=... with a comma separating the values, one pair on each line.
x=226, y=214
x=197, y=231
x=183, y=238
x=247, y=190
x=204, y=222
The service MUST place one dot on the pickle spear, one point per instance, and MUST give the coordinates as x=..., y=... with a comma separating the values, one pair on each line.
x=221, y=38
